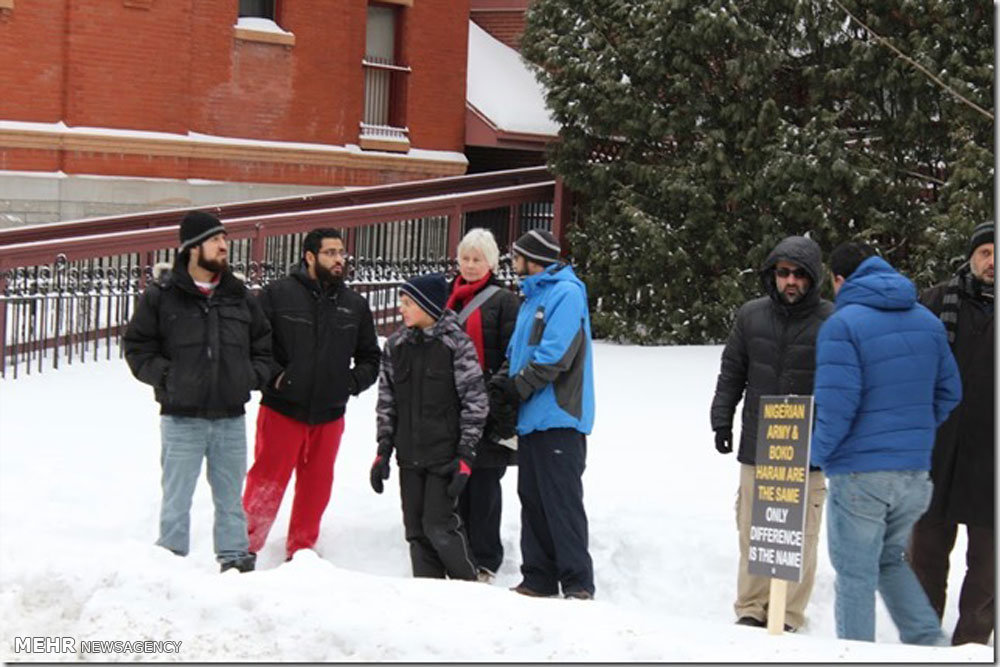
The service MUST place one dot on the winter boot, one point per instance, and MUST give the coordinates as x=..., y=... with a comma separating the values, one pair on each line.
x=241, y=564
x=521, y=589
x=578, y=595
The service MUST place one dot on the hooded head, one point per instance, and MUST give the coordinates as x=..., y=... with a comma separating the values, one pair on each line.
x=791, y=273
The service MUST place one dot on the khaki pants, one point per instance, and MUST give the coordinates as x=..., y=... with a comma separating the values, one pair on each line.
x=752, y=592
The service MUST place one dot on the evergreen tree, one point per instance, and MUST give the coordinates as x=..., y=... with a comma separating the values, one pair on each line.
x=701, y=133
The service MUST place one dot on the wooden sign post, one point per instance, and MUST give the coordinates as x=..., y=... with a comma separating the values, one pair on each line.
x=777, y=524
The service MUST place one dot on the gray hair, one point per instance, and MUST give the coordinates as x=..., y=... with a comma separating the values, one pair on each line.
x=482, y=240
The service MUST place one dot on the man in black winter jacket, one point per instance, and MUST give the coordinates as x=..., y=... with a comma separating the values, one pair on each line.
x=319, y=327
x=771, y=350
x=200, y=339
x=963, y=464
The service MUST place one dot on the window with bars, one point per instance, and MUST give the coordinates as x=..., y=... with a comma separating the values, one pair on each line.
x=383, y=121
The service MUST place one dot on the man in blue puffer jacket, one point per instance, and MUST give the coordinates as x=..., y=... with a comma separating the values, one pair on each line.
x=551, y=375
x=885, y=380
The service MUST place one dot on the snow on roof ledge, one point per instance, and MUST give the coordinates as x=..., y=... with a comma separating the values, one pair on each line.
x=500, y=85
x=261, y=24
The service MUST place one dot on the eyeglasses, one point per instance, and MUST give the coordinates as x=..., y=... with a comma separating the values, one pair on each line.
x=784, y=272
x=333, y=252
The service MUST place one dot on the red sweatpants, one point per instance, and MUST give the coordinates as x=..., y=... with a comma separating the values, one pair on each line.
x=284, y=444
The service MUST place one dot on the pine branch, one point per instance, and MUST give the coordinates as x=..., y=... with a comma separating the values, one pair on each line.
x=913, y=62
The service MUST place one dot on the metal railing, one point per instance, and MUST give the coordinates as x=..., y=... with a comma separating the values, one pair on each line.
x=68, y=289
x=385, y=96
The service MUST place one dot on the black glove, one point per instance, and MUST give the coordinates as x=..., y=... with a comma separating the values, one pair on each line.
x=459, y=477
x=724, y=441
x=501, y=423
x=506, y=390
x=380, y=471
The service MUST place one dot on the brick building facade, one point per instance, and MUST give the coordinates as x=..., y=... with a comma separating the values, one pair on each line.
x=504, y=19
x=187, y=90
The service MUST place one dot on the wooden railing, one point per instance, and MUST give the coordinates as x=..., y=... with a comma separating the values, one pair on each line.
x=68, y=288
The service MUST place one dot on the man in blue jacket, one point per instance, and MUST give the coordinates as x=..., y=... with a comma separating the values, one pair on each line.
x=551, y=375
x=885, y=380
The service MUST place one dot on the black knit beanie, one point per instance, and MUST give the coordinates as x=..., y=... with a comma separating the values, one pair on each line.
x=539, y=246
x=981, y=234
x=430, y=291
x=199, y=226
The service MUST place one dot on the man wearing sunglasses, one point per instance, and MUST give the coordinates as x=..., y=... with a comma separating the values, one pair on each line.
x=320, y=326
x=771, y=351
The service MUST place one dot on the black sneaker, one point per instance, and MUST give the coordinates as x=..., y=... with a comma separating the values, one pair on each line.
x=789, y=628
x=751, y=621
x=241, y=564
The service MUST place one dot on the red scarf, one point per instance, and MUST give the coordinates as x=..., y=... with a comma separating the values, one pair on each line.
x=461, y=293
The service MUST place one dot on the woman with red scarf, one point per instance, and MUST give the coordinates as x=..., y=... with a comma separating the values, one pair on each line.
x=488, y=312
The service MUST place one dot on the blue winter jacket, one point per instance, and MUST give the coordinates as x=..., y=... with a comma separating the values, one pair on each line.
x=550, y=353
x=885, y=376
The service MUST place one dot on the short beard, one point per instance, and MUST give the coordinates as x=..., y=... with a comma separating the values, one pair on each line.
x=984, y=279
x=212, y=265
x=789, y=302
x=326, y=277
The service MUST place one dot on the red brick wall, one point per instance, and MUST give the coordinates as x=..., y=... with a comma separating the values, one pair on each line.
x=309, y=92
x=436, y=37
x=28, y=159
x=504, y=25
x=128, y=68
x=32, y=86
x=176, y=67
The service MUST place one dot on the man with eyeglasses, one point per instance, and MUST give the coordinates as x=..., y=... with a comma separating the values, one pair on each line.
x=771, y=351
x=320, y=326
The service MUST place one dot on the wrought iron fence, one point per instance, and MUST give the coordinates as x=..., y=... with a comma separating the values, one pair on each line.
x=73, y=311
x=76, y=307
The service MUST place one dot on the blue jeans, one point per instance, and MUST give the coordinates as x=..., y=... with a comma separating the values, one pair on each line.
x=870, y=518
x=185, y=442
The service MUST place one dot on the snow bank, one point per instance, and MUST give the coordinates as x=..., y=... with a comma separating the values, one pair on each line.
x=79, y=497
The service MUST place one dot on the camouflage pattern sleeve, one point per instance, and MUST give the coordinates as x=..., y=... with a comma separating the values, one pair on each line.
x=385, y=411
x=472, y=396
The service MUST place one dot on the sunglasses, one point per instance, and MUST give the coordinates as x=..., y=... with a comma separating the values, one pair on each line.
x=784, y=272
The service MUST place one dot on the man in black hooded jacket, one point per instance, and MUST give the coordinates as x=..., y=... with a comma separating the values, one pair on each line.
x=320, y=326
x=771, y=350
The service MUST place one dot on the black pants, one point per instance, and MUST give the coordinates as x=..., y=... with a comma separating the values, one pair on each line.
x=438, y=545
x=553, y=520
x=479, y=506
x=930, y=548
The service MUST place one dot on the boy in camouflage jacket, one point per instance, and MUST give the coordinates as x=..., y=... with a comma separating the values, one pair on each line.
x=432, y=406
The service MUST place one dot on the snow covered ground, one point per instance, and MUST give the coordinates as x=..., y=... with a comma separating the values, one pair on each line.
x=79, y=497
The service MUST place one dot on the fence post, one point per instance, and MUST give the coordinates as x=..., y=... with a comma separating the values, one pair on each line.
x=257, y=248
x=351, y=240
x=150, y=262
x=454, y=230
x=513, y=223
x=562, y=211
x=3, y=323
